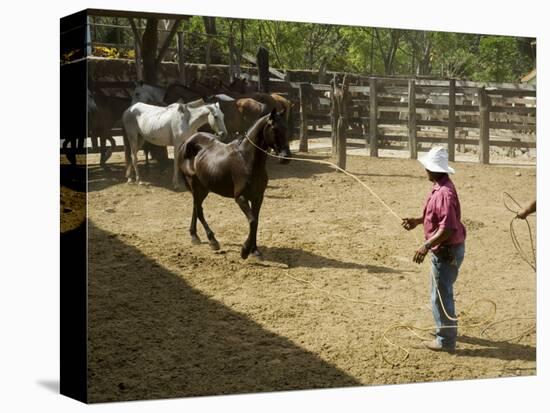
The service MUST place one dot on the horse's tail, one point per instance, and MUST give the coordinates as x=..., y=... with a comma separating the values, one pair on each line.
x=186, y=154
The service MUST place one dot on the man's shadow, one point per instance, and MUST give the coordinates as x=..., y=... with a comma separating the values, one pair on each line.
x=502, y=350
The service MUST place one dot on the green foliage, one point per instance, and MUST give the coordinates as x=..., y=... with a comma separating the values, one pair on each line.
x=363, y=50
x=500, y=59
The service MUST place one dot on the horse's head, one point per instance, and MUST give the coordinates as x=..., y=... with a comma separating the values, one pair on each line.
x=144, y=93
x=275, y=135
x=215, y=120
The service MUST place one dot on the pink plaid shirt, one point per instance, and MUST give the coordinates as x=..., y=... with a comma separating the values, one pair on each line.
x=442, y=210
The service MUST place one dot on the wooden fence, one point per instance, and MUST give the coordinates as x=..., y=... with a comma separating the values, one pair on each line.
x=413, y=112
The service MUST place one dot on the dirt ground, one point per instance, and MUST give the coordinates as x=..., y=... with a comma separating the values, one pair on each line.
x=172, y=319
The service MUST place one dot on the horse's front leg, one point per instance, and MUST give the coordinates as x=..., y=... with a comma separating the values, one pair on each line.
x=256, y=205
x=253, y=226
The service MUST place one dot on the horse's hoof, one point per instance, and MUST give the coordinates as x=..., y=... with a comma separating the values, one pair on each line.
x=244, y=253
x=130, y=181
x=195, y=240
x=214, y=244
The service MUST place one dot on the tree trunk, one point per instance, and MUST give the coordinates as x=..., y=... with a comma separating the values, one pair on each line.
x=210, y=28
x=149, y=51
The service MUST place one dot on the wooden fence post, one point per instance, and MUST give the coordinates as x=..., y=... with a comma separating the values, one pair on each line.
x=373, y=118
x=413, y=146
x=303, y=118
x=334, y=117
x=262, y=59
x=342, y=125
x=208, y=55
x=232, y=54
x=451, y=128
x=341, y=142
x=181, y=58
x=484, y=116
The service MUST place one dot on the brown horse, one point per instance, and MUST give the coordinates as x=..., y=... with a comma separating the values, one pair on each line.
x=235, y=170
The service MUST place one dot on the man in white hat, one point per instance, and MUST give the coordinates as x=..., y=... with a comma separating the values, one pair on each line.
x=444, y=235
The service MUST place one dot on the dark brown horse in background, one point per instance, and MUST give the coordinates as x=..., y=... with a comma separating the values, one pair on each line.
x=235, y=170
x=106, y=115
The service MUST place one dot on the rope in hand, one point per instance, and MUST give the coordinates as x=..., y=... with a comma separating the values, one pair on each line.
x=408, y=327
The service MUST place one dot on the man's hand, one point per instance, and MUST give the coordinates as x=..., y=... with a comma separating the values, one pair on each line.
x=410, y=223
x=420, y=254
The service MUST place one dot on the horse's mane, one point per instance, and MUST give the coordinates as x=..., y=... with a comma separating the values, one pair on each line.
x=254, y=129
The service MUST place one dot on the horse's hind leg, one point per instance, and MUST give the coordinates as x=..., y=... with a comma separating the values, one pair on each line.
x=197, y=194
x=135, y=149
x=129, y=142
x=193, y=228
x=198, y=197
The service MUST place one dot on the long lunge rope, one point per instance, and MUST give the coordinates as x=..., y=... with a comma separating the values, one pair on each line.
x=379, y=348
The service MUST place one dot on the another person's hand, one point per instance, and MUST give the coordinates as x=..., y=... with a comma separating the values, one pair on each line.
x=523, y=214
x=410, y=223
x=420, y=254
x=532, y=207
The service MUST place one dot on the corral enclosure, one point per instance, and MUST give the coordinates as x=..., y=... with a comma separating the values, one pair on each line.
x=172, y=319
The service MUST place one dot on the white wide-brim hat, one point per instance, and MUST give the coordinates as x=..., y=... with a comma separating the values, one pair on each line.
x=437, y=160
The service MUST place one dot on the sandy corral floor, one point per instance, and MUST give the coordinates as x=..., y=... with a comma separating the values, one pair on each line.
x=171, y=319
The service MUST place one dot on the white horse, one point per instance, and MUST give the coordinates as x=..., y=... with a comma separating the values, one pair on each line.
x=166, y=126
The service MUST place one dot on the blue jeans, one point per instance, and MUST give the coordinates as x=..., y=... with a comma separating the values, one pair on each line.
x=445, y=271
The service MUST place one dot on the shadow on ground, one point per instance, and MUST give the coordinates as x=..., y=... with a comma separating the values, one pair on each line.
x=496, y=349
x=151, y=335
x=294, y=257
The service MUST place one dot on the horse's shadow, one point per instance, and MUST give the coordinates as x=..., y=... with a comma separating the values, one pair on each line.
x=295, y=257
x=502, y=350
